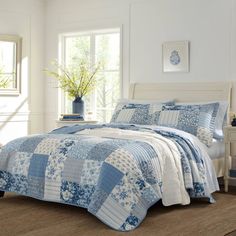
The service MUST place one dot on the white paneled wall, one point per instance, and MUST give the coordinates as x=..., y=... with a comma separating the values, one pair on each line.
x=22, y=115
x=74, y=16
x=210, y=26
x=206, y=24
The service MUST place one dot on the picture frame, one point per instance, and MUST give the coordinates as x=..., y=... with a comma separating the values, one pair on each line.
x=175, y=56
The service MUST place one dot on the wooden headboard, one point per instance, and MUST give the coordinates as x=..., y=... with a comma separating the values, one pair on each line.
x=182, y=92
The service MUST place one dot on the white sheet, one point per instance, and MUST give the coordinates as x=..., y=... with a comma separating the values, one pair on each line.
x=217, y=150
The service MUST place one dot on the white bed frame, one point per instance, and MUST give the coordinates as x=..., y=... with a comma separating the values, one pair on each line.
x=186, y=92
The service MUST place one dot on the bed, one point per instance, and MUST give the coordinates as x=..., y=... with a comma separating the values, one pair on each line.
x=118, y=170
x=190, y=92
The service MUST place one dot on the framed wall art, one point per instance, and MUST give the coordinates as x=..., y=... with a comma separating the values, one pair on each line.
x=175, y=56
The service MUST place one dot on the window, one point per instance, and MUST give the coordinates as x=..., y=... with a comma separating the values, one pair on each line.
x=10, y=56
x=101, y=47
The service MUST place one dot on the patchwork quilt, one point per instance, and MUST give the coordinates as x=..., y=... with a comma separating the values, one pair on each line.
x=116, y=171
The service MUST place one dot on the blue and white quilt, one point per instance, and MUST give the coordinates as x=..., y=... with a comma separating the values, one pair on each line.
x=116, y=171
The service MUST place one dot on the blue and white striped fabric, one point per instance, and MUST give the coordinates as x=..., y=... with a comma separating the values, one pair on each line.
x=115, y=171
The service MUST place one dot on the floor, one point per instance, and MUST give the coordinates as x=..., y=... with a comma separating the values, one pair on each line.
x=23, y=216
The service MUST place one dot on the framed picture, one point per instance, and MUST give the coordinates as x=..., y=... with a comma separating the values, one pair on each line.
x=175, y=56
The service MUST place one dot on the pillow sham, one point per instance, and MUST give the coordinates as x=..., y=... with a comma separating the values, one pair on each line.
x=221, y=120
x=221, y=116
x=198, y=120
x=137, y=112
x=138, y=101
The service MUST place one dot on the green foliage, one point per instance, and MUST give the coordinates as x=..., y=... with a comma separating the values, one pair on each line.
x=77, y=81
x=4, y=81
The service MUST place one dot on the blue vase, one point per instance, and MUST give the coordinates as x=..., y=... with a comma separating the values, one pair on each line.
x=78, y=106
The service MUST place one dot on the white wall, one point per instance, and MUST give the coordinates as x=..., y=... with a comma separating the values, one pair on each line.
x=206, y=24
x=232, y=43
x=22, y=115
x=78, y=15
x=210, y=26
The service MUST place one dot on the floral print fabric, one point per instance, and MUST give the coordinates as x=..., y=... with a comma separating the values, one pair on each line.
x=116, y=179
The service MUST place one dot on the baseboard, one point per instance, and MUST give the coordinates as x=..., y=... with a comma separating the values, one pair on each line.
x=232, y=182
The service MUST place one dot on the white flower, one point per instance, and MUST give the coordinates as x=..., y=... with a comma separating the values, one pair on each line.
x=128, y=227
x=53, y=163
x=2, y=182
x=66, y=195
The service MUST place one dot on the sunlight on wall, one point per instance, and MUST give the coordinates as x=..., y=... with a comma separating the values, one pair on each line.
x=14, y=111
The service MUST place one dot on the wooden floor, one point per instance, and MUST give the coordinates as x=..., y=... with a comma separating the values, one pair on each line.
x=22, y=216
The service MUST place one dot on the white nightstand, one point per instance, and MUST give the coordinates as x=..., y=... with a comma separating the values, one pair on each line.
x=61, y=123
x=229, y=137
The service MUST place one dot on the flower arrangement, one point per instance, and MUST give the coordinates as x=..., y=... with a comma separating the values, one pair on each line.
x=76, y=81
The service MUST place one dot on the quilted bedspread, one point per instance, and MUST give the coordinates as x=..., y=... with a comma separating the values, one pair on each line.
x=115, y=171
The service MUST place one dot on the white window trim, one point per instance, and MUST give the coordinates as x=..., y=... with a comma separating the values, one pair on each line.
x=18, y=41
x=61, y=57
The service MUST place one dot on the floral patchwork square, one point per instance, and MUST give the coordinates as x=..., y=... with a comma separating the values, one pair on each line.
x=47, y=146
x=188, y=121
x=19, y=163
x=76, y=194
x=90, y=172
x=82, y=148
x=13, y=183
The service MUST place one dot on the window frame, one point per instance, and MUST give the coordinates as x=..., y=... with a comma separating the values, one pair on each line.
x=92, y=34
x=18, y=41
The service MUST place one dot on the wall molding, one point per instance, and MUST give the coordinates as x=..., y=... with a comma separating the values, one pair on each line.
x=25, y=116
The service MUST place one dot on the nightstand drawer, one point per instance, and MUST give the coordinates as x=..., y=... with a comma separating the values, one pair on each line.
x=232, y=136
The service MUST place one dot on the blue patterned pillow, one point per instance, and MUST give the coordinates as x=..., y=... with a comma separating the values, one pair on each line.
x=221, y=117
x=198, y=120
x=137, y=113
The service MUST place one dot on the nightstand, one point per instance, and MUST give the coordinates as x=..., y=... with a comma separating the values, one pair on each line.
x=229, y=137
x=61, y=123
